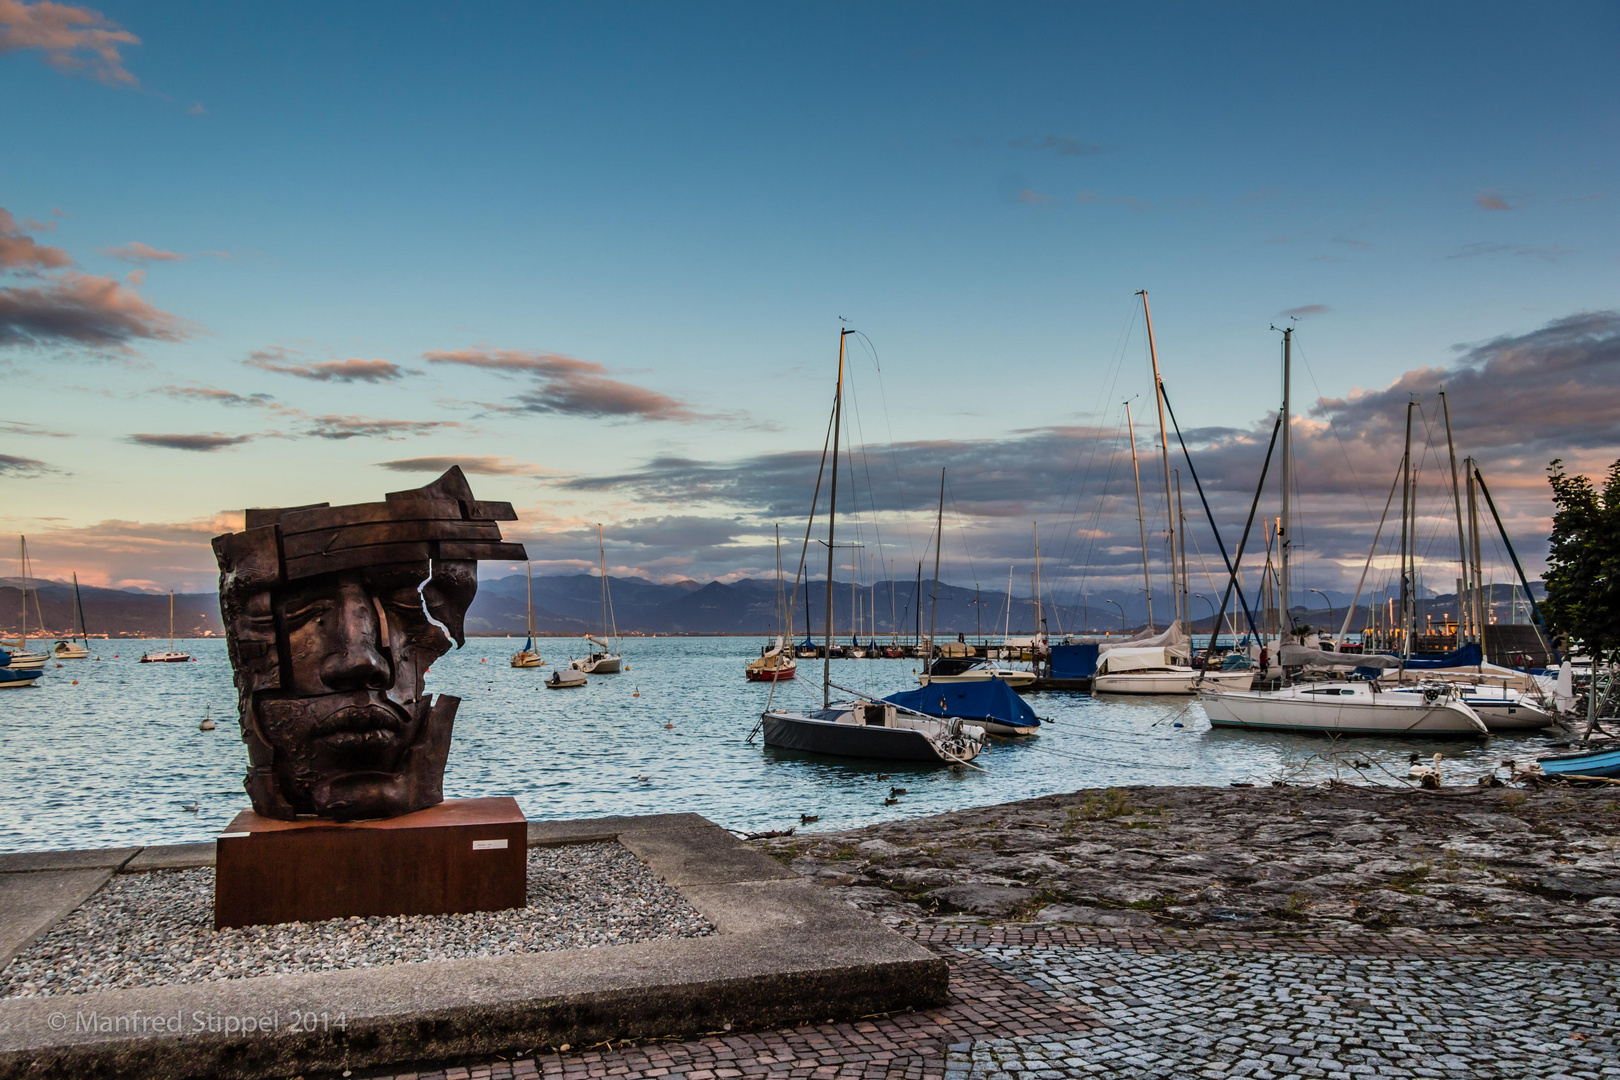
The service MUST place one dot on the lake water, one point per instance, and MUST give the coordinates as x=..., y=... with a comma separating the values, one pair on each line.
x=113, y=759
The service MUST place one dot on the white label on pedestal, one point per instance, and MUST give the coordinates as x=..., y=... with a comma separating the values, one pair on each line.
x=489, y=845
x=233, y=835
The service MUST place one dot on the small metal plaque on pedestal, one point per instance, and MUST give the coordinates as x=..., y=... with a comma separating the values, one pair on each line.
x=459, y=856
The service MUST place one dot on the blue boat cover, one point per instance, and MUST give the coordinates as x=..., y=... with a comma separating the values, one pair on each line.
x=1469, y=655
x=991, y=699
x=1074, y=661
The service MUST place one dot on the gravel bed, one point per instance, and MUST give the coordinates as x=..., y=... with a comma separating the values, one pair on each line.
x=156, y=929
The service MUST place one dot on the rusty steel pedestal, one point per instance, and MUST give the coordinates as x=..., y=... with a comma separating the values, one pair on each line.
x=459, y=856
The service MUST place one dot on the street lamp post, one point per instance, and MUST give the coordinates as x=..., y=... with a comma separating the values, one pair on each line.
x=1121, y=614
x=1324, y=596
x=1214, y=631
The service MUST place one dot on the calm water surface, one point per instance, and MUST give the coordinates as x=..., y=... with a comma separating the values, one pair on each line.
x=114, y=759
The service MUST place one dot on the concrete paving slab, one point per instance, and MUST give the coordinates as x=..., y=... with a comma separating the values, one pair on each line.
x=94, y=858
x=786, y=952
x=171, y=857
x=33, y=902
x=709, y=856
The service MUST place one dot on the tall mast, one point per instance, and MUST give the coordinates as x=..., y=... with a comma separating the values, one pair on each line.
x=78, y=609
x=1462, y=536
x=601, y=553
x=1006, y=629
x=939, y=542
x=528, y=576
x=1036, y=526
x=171, y=620
x=832, y=521
x=916, y=596
x=1476, y=596
x=1181, y=545
x=1141, y=526
x=1285, y=522
x=781, y=595
x=1406, y=536
x=1164, y=456
x=22, y=568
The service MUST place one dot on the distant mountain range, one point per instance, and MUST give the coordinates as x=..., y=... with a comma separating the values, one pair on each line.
x=572, y=605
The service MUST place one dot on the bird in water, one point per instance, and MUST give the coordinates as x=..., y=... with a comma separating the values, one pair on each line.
x=890, y=801
x=191, y=808
x=643, y=778
x=882, y=776
x=805, y=819
x=897, y=791
x=1426, y=775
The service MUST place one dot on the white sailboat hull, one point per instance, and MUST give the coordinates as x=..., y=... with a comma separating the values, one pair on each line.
x=604, y=665
x=526, y=659
x=165, y=658
x=1341, y=709
x=70, y=650
x=1502, y=708
x=27, y=660
x=1183, y=682
x=1010, y=676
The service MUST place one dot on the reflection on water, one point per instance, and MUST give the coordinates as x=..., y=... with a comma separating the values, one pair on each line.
x=112, y=760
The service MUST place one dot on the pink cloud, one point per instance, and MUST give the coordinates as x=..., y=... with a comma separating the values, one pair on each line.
x=352, y=370
x=72, y=39
x=572, y=387
x=137, y=252
x=483, y=465
x=204, y=443
x=1492, y=200
x=18, y=251
x=83, y=309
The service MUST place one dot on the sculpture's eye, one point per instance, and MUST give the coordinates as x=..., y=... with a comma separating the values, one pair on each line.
x=405, y=600
x=303, y=613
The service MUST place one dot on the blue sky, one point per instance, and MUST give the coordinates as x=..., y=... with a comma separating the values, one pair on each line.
x=685, y=199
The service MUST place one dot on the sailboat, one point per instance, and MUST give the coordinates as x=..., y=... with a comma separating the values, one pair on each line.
x=528, y=656
x=1335, y=706
x=607, y=659
x=15, y=678
x=21, y=659
x=776, y=662
x=1158, y=667
x=864, y=727
x=76, y=647
x=172, y=656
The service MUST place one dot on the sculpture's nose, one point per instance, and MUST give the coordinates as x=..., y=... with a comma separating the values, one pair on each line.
x=354, y=660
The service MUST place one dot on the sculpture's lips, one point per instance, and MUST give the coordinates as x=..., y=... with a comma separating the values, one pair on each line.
x=358, y=718
x=335, y=717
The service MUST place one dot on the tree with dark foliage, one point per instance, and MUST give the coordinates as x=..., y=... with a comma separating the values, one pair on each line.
x=1583, y=562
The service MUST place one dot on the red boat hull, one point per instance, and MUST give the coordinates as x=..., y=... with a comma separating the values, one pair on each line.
x=771, y=674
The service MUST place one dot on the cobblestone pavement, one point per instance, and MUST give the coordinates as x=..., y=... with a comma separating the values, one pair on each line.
x=1032, y=1001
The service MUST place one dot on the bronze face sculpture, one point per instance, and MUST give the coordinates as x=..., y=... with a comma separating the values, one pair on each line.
x=333, y=614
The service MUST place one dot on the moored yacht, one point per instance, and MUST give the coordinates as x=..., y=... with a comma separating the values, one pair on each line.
x=1349, y=707
x=863, y=728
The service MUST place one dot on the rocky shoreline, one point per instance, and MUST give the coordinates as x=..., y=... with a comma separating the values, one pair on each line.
x=1333, y=858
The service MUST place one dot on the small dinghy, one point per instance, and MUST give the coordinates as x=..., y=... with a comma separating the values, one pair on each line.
x=565, y=678
x=1603, y=763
